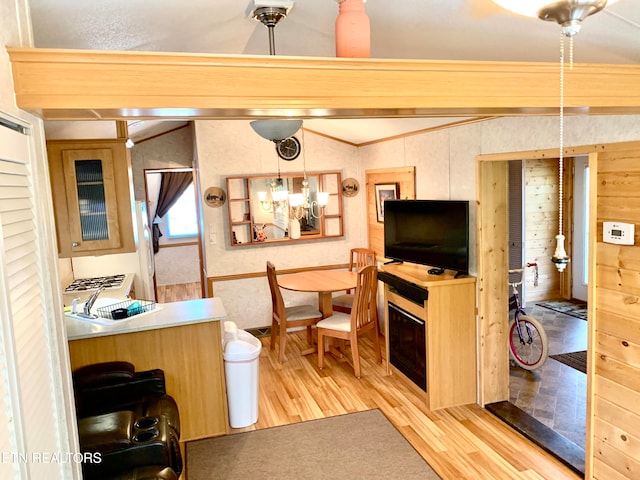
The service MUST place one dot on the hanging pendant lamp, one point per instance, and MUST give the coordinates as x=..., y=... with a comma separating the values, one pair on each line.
x=270, y=15
x=569, y=14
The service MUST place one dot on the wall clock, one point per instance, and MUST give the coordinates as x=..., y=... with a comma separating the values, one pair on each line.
x=288, y=149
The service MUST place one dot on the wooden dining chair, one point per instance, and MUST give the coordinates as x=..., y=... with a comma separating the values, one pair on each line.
x=359, y=257
x=363, y=319
x=284, y=317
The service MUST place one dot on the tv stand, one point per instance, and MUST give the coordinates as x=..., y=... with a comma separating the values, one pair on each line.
x=393, y=262
x=447, y=306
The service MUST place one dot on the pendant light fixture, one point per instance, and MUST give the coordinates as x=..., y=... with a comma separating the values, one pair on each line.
x=302, y=205
x=560, y=257
x=269, y=13
x=569, y=14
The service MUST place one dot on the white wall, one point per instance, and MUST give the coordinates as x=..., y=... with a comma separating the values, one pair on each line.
x=231, y=148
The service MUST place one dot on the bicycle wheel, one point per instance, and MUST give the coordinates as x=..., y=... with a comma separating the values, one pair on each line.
x=533, y=352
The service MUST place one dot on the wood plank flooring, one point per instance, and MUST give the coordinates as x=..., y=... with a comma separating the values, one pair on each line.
x=459, y=443
x=178, y=292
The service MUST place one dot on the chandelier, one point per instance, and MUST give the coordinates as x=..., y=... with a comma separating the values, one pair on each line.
x=302, y=205
x=275, y=200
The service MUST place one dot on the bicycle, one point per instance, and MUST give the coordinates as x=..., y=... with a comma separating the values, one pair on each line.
x=528, y=343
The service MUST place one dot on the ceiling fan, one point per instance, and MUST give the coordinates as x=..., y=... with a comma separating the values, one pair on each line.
x=569, y=14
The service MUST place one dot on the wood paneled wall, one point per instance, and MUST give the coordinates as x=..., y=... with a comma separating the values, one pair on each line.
x=541, y=226
x=613, y=375
x=615, y=333
x=405, y=177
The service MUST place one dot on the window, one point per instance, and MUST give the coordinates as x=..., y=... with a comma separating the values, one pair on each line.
x=182, y=218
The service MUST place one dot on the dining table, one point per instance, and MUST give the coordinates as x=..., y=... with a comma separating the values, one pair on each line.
x=324, y=282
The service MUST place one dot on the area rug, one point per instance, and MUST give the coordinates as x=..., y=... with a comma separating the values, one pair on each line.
x=577, y=360
x=362, y=445
x=569, y=307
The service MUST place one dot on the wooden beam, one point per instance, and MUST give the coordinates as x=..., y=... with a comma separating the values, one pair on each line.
x=81, y=84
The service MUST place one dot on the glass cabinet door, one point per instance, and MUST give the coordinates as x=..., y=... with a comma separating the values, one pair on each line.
x=91, y=199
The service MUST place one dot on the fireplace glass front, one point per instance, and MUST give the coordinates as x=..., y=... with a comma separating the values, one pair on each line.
x=407, y=345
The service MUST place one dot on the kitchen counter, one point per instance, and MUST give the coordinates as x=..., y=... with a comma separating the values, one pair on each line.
x=165, y=315
x=184, y=339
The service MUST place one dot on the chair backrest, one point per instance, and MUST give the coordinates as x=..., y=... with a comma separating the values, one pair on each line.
x=361, y=257
x=277, y=301
x=363, y=309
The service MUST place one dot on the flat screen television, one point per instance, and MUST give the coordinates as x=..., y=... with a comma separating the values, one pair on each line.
x=428, y=232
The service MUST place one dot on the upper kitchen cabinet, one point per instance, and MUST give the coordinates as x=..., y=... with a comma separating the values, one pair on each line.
x=92, y=196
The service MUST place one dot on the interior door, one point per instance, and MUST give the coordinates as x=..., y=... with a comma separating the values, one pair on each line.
x=579, y=263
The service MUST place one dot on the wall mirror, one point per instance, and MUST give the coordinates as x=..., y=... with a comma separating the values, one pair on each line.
x=290, y=207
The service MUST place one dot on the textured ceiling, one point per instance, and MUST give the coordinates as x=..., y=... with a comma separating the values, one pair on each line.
x=403, y=29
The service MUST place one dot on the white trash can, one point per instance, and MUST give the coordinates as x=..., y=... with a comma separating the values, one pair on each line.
x=241, y=352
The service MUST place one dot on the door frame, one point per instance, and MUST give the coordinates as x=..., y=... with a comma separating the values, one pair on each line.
x=580, y=223
x=199, y=235
x=492, y=242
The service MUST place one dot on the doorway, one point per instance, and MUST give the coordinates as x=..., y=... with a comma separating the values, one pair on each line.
x=580, y=261
x=522, y=206
x=178, y=250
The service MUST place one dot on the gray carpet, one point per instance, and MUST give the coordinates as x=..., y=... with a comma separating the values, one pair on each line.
x=575, y=308
x=362, y=445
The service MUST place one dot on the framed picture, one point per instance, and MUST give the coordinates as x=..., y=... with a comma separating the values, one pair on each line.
x=385, y=191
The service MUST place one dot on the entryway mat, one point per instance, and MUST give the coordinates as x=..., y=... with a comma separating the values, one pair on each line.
x=568, y=307
x=577, y=360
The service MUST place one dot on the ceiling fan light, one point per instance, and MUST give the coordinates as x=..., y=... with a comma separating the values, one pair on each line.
x=531, y=8
x=276, y=129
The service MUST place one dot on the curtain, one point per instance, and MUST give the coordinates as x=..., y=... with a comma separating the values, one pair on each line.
x=172, y=185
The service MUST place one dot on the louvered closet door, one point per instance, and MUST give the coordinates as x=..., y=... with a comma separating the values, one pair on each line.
x=27, y=397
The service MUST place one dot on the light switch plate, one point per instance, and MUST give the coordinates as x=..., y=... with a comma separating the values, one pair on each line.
x=618, y=232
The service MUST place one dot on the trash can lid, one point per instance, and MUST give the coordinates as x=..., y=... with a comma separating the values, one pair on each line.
x=239, y=345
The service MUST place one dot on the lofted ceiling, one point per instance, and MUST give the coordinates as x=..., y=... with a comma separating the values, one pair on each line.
x=400, y=29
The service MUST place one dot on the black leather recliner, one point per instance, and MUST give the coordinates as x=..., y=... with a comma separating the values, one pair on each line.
x=112, y=386
x=128, y=421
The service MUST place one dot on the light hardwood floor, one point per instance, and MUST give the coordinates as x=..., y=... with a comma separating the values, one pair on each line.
x=459, y=443
x=178, y=292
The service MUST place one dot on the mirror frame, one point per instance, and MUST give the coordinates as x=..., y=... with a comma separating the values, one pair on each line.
x=243, y=201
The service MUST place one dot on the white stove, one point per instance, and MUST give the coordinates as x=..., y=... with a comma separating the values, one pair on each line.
x=88, y=284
